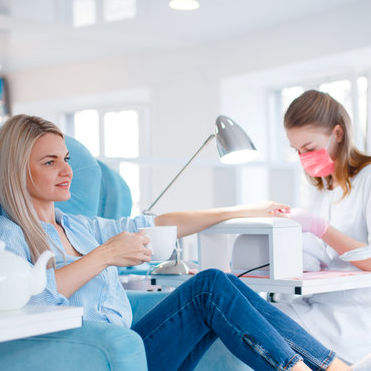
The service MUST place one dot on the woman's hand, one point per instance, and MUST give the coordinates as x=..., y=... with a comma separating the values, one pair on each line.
x=308, y=222
x=338, y=240
x=263, y=209
x=127, y=249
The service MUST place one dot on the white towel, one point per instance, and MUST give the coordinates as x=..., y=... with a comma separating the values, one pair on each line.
x=315, y=256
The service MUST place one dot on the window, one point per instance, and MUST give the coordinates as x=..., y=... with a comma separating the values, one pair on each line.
x=113, y=137
x=340, y=90
x=84, y=12
x=90, y=12
x=86, y=130
x=287, y=96
x=362, y=85
x=115, y=10
x=130, y=172
x=121, y=134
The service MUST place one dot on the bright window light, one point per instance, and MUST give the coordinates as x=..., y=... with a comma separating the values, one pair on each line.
x=239, y=157
x=341, y=91
x=87, y=129
x=121, y=133
x=289, y=94
x=130, y=172
x=115, y=10
x=184, y=4
x=84, y=12
x=362, y=83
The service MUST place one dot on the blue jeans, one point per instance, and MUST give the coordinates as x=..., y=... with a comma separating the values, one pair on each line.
x=212, y=304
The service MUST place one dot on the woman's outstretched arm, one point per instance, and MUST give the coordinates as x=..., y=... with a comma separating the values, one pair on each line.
x=189, y=222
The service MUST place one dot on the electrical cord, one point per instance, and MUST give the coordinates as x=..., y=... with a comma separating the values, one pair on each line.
x=253, y=269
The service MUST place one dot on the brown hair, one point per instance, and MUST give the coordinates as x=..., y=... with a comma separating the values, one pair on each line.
x=17, y=137
x=321, y=110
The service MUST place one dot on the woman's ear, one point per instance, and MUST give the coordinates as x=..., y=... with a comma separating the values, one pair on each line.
x=339, y=133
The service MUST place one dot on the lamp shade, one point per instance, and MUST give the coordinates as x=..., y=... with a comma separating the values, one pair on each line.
x=234, y=145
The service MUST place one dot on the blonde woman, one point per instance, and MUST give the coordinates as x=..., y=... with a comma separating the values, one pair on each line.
x=34, y=173
x=338, y=213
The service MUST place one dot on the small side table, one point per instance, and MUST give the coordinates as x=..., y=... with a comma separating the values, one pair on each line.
x=34, y=320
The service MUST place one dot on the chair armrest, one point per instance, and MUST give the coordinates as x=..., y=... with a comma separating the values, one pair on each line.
x=94, y=346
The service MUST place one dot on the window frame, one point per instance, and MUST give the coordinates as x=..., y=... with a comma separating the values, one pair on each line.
x=144, y=148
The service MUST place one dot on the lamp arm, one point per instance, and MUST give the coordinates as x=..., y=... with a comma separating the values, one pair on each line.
x=147, y=211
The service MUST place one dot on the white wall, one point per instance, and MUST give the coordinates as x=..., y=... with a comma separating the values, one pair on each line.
x=185, y=90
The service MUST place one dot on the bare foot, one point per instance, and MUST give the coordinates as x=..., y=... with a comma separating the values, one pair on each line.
x=337, y=365
x=300, y=366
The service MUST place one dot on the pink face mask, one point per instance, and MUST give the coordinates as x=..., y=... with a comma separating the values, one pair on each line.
x=317, y=163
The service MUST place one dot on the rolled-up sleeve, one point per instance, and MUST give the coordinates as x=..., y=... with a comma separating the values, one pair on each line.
x=50, y=295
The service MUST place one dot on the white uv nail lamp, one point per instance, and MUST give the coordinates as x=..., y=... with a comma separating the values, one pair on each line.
x=239, y=245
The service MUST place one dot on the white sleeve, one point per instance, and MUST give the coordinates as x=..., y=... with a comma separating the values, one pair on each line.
x=368, y=209
x=363, y=252
x=309, y=196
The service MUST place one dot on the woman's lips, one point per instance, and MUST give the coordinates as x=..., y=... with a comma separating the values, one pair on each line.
x=63, y=185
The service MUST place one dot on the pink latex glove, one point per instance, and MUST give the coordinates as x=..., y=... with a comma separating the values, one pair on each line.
x=308, y=222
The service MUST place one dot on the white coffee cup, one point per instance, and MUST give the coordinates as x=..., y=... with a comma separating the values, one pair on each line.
x=162, y=241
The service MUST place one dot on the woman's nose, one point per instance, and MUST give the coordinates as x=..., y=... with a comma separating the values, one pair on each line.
x=66, y=170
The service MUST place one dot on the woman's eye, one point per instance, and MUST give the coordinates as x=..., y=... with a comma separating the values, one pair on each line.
x=49, y=163
x=308, y=150
x=67, y=159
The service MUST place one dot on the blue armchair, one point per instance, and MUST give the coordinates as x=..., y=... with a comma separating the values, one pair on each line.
x=97, y=190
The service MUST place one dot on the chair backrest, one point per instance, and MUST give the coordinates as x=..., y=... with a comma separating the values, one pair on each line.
x=115, y=196
x=96, y=190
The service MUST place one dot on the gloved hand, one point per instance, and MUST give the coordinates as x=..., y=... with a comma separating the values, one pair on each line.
x=308, y=222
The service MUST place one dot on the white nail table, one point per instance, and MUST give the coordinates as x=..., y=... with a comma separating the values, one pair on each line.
x=278, y=241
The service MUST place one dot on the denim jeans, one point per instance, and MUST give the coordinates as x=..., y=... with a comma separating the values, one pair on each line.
x=212, y=304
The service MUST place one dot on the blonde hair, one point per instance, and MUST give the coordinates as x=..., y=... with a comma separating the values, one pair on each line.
x=321, y=110
x=17, y=137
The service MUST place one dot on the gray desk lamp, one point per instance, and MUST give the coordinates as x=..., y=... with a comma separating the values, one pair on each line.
x=234, y=146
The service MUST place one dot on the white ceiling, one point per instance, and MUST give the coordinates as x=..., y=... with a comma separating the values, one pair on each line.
x=36, y=33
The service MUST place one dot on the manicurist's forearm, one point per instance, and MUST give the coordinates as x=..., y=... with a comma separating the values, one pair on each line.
x=342, y=243
x=73, y=276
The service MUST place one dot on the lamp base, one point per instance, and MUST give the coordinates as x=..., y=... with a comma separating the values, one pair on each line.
x=171, y=267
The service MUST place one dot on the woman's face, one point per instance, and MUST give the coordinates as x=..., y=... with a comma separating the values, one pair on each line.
x=51, y=174
x=311, y=138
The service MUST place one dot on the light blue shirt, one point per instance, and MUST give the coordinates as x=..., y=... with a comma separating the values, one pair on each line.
x=103, y=297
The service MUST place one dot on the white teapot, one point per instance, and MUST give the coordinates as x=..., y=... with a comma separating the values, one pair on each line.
x=18, y=280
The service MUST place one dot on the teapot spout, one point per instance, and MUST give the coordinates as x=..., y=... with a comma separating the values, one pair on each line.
x=38, y=273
